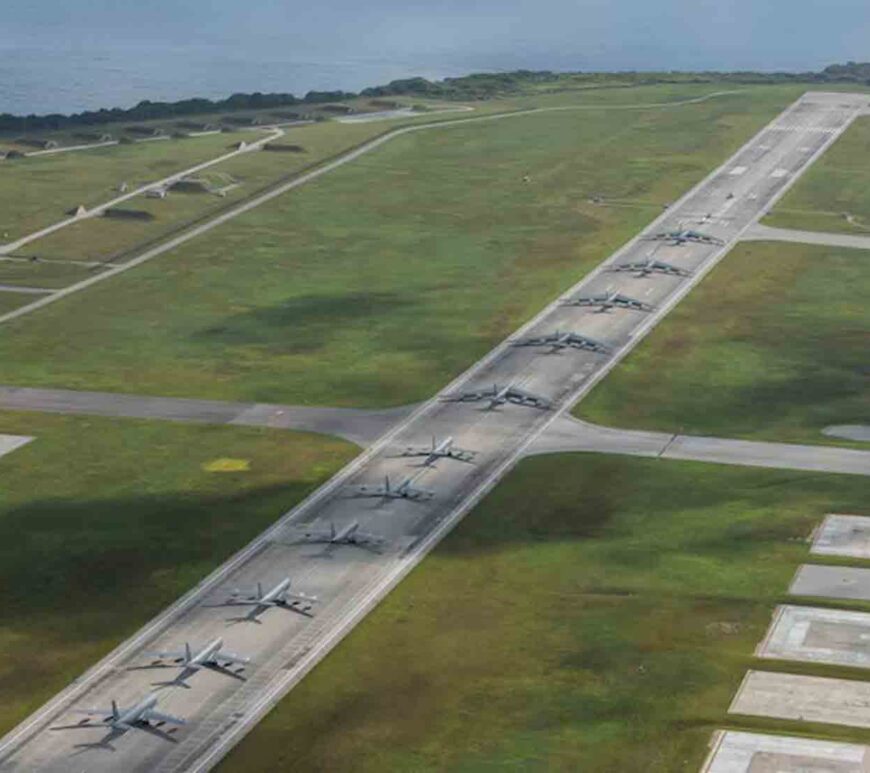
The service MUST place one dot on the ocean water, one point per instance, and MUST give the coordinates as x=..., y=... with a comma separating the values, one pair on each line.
x=69, y=80
x=69, y=55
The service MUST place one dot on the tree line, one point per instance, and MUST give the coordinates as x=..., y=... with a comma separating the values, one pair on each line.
x=476, y=86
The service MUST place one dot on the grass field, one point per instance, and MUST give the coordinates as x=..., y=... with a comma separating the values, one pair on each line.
x=36, y=192
x=9, y=301
x=837, y=186
x=101, y=238
x=103, y=523
x=378, y=283
x=592, y=614
x=771, y=345
x=49, y=275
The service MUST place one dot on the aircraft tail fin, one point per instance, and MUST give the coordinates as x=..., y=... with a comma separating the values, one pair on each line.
x=187, y=654
x=259, y=590
x=387, y=483
x=115, y=713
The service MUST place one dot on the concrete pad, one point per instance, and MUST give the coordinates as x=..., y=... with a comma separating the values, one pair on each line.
x=832, y=582
x=843, y=535
x=8, y=443
x=738, y=752
x=741, y=752
x=814, y=635
x=860, y=432
x=804, y=699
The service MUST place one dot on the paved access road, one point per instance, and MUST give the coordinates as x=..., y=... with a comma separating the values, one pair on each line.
x=351, y=581
x=362, y=427
x=569, y=434
x=365, y=427
x=765, y=233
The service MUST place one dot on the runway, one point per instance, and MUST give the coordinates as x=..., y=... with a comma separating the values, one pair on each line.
x=219, y=710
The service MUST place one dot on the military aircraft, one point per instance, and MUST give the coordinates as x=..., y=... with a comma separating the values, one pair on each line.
x=443, y=450
x=212, y=656
x=608, y=301
x=682, y=236
x=140, y=716
x=405, y=490
x=649, y=265
x=347, y=535
x=499, y=395
x=279, y=596
x=559, y=340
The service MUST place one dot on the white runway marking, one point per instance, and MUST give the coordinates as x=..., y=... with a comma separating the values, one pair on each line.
x=738, y=170
x=779, y=173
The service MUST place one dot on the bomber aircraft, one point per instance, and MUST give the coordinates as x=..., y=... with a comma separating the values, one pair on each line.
x=347, y=535
x=212, y=656
x=683, y=235
x=140, y=716
x=650, y=265
x=608, y=301
x=559, y=340
x=279, y=596
x=405, y=490
x=499, y=395
x=443, y=450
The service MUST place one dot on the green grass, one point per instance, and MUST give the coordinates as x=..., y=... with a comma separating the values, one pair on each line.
x=50, y=275
x=378, y=283
x=36, y=192
x=838, y=185
x=103, y=523
x=771, y=346
x=9, y=301
x=101, y=238
x=593, y=613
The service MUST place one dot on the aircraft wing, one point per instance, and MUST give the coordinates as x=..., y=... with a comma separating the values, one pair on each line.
x=243, y=600
x=106, y=714
x=367, y=491
x=418, y=493
x=588, y=343
x=534, y=341
x=631, y=303
x=152, y=715
x=522, y=397
x=167, y=655
x=634, y=265
x=471, y=395
x=365, y=539
x=230, y=657
x=314, y=536
x=461, y=454
x=669, y=267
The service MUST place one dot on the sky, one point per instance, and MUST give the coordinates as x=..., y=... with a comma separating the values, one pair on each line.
x=267, y=38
